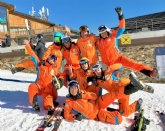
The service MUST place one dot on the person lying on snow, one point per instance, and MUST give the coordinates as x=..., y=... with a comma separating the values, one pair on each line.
x=90, y=106
x=46, y=85
x=107, y=80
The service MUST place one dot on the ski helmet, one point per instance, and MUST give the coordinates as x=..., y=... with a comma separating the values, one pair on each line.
x=73, y=83
x=54, y=57
x=96, y=67
x=39, y=36
x=102, y=29
x=84, y=28
x=84, y=60
x=58, y=37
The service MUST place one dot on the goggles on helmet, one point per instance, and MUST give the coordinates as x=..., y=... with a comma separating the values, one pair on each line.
x=57, y=39
x=83, y=61
x=96, y=67
x=65, y=40
x=73, y=83
x=102, y=29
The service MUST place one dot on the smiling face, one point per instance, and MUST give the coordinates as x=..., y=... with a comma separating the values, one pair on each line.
x=84, y=66
x=84, y=34
x=104, y=34
x=74, y=90
x=51, y=61
x=98, y=72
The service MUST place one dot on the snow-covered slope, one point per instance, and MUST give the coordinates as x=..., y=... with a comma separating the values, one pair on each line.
x=16, y=113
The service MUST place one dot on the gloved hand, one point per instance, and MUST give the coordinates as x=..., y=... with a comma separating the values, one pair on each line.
x=61, y=81
x=91, y=80
x=119, y=12
x=58, y=83
x=42, y=62
x=79, y=116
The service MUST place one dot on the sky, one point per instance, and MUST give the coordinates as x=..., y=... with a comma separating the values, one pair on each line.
x=92, y=13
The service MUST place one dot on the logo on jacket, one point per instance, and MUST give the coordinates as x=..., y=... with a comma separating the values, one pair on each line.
x=74, y=51
x=89, y=43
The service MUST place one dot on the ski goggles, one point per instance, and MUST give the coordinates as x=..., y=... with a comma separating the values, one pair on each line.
x=83, y=61
x=73, y=83
x=96, y=67
x=65, y=40
x=57, y=39
x=102, y=29
x=83, y=28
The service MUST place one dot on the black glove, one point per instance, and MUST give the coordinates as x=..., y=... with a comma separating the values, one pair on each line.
x=119, y=12
x=79, y=116
x=42, y=62
x=61, y=81
x=92, y=80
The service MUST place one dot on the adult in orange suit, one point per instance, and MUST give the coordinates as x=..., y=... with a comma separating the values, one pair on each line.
x=39, y=50
x=86, y=43
x=108, y=47
x=55, y=49
x=45, y=85
x=87, y=104
x=71, y=54
x=105, y=79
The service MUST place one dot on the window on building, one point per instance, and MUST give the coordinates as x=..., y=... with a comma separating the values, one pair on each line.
x=3, y=19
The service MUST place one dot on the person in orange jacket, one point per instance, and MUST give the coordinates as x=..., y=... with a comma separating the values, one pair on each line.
x=86, y=43
x=109, y=51
x=88, y=105
x=82, y=74
x=28, y=63
x=106, y=79
x=45, y=85
x=71, y=54
x=55, y=49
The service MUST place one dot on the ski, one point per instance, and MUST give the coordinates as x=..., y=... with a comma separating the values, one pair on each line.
x=58, y=120
x=161, y=115
x=140, y=123
x=52, y=121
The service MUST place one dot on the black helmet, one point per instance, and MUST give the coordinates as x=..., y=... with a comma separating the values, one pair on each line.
x=54, y=57
x=39, y=36
x=102, y=29
x=70, y=85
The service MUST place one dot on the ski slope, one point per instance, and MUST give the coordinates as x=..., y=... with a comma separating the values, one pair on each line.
x=16, y=113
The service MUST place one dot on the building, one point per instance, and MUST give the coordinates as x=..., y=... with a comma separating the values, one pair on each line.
x=13, y=23
x=150, y=22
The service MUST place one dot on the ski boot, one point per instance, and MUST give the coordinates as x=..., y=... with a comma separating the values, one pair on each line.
x=140, y=84
x=150, y=73
x=35, y=104
x=139, y=105
x=13, y=69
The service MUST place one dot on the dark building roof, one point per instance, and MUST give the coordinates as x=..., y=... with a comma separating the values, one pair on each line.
x=149, y=16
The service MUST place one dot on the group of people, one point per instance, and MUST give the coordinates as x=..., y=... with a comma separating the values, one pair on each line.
x=84, y=76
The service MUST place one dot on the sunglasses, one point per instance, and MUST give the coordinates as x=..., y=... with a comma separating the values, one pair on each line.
x=57, y=39
x=83, y=28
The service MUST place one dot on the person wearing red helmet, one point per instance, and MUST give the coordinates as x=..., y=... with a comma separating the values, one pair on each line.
x=86, y=42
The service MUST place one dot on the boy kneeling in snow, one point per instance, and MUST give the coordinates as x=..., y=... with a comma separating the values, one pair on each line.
x=45, y=85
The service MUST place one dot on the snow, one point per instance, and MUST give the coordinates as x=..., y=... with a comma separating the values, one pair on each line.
x=16, y=113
